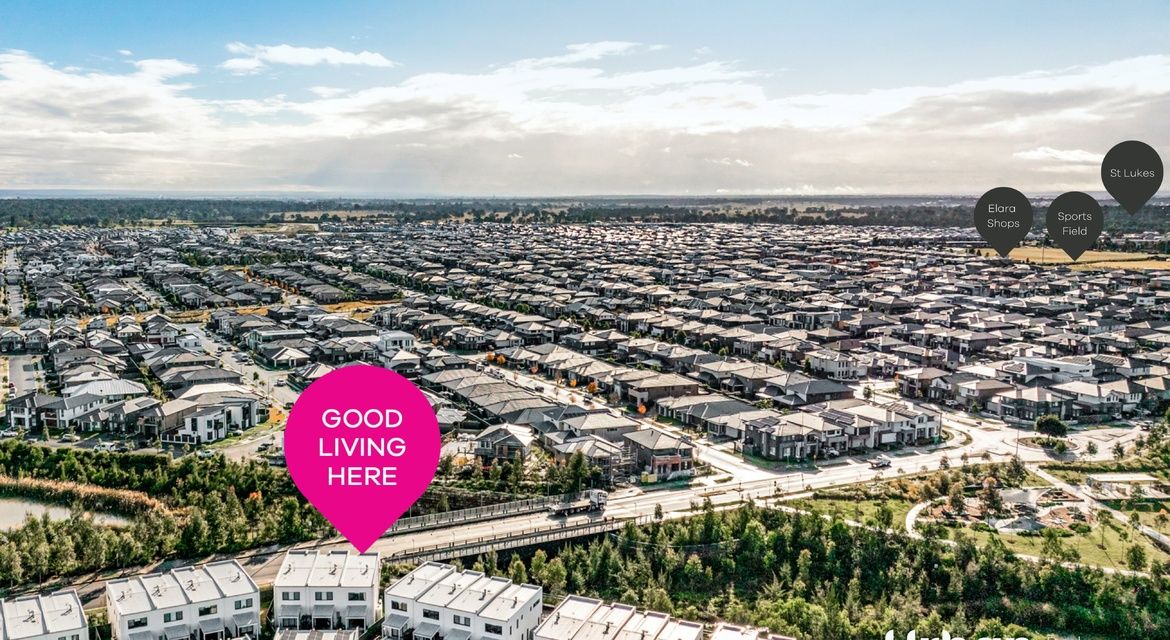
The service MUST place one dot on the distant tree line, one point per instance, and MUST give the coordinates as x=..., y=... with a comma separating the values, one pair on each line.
x=99, y=212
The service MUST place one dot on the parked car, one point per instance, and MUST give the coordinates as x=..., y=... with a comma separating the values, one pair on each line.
x=104, y=446
x=235, y=433
x=204, y=453
x=9, y=433
x=121, y=447
x=70, y=437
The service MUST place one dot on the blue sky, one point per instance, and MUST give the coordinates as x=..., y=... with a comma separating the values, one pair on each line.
x=551, y=98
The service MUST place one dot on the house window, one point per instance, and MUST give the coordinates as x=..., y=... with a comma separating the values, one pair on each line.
x=397, y=606
x=463, y=621
x=173, y=617
x=244, y=604
x=357, y=596
x=209, y=610
x=494, y=629
x=290, y=595
x=136, y=623
x=323, y=595
x=430, y=614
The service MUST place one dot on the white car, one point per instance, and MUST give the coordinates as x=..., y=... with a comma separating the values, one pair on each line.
x=9, y=433
x=104, y=446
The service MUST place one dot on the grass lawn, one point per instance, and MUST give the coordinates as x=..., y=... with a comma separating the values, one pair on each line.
x=1068, y=475
x=1090, y=548
x=259, y=431
x=775, y=464
x=1033, y=480
x=860, y=510
x=1147, y=512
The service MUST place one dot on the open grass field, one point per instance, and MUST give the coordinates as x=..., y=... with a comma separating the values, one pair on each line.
x=858, y=510
x=1093, y=548
x=1088, y=260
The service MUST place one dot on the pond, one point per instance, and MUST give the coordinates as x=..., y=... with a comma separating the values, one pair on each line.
x=13, y=511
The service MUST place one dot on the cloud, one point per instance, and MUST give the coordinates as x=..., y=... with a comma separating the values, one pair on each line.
x=165, y=68
x=125, y=52
x=327, y=92
x=254, y=58
x=728, y=162
x=583, y=52
x=608, y=117
x=1079, y=156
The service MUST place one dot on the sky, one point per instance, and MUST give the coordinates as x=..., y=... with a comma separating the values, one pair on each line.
x=541, y=99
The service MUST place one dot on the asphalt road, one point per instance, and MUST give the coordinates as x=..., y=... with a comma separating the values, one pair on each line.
x=22, y=373
x=13, y=296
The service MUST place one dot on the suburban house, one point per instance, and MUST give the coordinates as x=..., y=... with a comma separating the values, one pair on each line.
x=660, y=456
x=216, y=601
x=319, y=590
x=439, y=601
x=53, y=616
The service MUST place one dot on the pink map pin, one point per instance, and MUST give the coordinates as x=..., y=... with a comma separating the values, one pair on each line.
x=362, y=444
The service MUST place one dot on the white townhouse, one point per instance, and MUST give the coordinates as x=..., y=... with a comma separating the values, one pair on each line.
x=437, y=601
x=215, y=601
x=317, y=590
x=581, y=618
x=57, y=616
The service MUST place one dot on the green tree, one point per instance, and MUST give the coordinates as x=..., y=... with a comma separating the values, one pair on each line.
x=955, y=499
x=1051, y=426
x=517, y=571
x=1135, y=557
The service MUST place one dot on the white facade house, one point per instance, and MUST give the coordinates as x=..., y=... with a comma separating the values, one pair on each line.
x=394, y=341
x=216, y=601
x=326, y=591
x=57, y=616
x=581, y=618
x=435, y=600
x=836, y=365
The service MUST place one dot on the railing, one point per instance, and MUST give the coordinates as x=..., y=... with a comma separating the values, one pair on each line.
x=478, y=514
x=523, y=538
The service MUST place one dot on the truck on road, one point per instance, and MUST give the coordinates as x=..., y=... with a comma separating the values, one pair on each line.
x=588, y=500
x=880, y=462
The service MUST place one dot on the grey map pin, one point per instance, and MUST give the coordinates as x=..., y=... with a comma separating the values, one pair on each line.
x=1075, y=221
x=1003, y=216
x=1132, y=173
